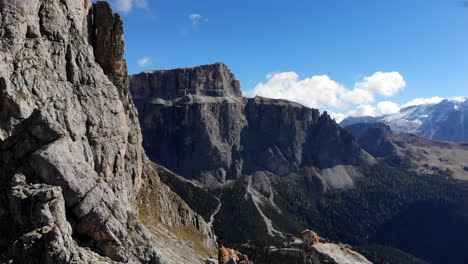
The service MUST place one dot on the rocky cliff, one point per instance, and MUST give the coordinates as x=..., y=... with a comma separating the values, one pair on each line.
x=196, y=123
x=73, y=171
x=414, y=152
x=375, y=138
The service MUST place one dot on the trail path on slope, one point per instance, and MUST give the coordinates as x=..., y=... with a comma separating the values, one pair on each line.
x=257, y=200
x=212, y=217
x=272, y=196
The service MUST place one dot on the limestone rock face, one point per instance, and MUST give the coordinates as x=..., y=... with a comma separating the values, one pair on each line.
x=317, y=250
x=334, y=254
x=70, y=131
x=310, y=248
x=230, y=256
x=247, y=151
x=209, y=80
x=196, y=123
x=375, y=138
x=193, y=120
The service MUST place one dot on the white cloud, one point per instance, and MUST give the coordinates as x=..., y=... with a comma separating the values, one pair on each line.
x=434, y=100
x=358, y=96
x=144, y=62
x=387, y=108
x=385, y=83
x=337, y=116
x=363, y=110
x=195, y=18
x=317, y=91
x=323, y=92
x=382, y=108
x=126, y=6
x=459, y=99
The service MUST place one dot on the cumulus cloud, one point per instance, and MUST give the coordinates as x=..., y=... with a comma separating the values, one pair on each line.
x=126, y=6
x=144, y=62
x=382, y=108
x=338, y=117
x=323, y=92
x=387, y=108
x=385, y=83
x=357, y=96
x=363, y=110
x=311, y=92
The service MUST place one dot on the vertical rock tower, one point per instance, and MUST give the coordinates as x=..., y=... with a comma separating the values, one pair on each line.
x=71, y=161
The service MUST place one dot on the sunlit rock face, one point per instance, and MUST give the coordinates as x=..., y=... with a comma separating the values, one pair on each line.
x=71, y=160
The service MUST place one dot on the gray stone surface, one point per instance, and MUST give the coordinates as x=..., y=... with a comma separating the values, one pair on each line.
x=211, y=261
x=196, y=123
x=69, y=127
x=375, y=138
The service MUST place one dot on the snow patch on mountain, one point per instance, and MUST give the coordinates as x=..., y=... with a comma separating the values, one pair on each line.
x=432, y=118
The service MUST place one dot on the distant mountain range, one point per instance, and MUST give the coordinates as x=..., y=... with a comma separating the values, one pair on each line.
x=416, y=153
x=442, y=121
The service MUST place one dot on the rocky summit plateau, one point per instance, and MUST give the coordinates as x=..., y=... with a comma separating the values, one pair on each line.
x=196, y=123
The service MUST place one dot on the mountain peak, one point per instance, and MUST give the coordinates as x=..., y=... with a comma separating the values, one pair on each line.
x=213, y=80
x=442, y=120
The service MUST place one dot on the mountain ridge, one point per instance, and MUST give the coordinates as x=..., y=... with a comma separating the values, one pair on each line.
x=440, y=121
x=235, y=130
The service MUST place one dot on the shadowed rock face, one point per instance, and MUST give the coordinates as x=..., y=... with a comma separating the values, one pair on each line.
x=375, y=138
x=413, y=152
x=209, y=80
x=196, y=123
x=70, y=142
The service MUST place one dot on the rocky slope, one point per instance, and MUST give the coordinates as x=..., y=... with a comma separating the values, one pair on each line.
x=73, y=171
x=307, y=248
x=375, y=138
x=421, y=154
x=442, y=121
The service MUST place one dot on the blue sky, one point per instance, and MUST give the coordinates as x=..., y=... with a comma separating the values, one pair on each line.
x=425, y=42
